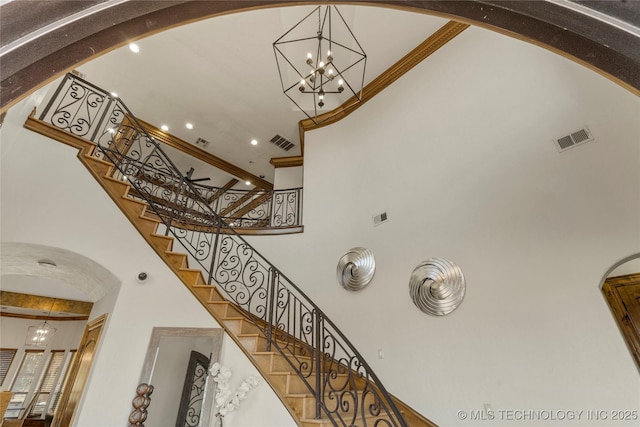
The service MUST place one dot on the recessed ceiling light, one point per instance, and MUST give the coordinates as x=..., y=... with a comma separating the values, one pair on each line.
x=47, y=263
x=254, y=142
x=115, y=95
x=247, y=182
x=164, y=128
x=189, y=126
x=134, y=48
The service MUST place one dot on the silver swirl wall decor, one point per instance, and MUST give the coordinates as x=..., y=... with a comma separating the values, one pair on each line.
x=356, y=269
x=437, y=286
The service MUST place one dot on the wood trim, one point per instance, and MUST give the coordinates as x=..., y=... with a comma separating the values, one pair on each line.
x=610, y=289
x=287, y=162
x=434, y=42
x=56, y=318
x=36, y=302
x=228, y=186
x=205, y=156
x=260, y=199
x=241, y=201
x=79, y=372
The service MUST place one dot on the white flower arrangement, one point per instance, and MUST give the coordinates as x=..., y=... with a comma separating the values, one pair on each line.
x=225, y=403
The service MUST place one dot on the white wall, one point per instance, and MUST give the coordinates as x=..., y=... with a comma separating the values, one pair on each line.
x=49, y=198
x=286, y=178
x=480, y=183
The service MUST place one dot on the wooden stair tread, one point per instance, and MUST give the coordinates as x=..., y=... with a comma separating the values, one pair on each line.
x=192, y=270
x=147, y=218
x=162, y=236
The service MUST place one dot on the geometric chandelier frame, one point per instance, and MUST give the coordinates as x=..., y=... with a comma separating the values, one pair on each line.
x=41, y=335
x=321, y=63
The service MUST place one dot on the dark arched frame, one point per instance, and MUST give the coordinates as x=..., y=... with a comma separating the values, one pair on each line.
x=28, y=62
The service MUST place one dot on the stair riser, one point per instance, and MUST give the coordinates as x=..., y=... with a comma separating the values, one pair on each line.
x=206, y=293
x=288, y=383
x=177, y=260
x=225, y=310
x=133, y=207
x=241, y=327
x=98, y=166
x=147, y=226
x=193, y=277
x=115, y=187
x=160, y=243
x=276, y=363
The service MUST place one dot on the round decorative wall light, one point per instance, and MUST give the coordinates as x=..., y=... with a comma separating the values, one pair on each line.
x=356, y=269
x=437, y=286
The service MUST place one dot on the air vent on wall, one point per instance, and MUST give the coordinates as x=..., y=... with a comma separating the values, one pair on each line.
x=283, y=143
x=575, y=138
x=202, y=143
x=380, y=218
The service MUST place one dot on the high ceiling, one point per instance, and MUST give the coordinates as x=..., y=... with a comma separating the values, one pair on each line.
x=220, y=75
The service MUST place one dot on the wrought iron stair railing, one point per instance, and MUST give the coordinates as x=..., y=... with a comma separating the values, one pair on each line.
x=346, y=390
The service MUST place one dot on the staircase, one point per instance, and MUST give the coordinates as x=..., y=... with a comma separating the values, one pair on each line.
x=272, y=321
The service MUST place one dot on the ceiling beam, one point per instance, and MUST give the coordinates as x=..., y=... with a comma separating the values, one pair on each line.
x=287, y=162
x=205, y=156
x=44, y=304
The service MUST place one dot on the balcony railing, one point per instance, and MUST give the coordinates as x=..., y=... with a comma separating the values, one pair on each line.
x=87, y=111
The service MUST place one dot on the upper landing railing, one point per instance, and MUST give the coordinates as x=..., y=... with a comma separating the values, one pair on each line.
x=91, y=113
x=346, y=390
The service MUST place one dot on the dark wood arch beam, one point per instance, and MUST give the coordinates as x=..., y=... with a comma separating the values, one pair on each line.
x=27, y=63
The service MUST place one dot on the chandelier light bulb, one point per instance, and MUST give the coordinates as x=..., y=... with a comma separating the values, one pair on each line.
x=321, y=64
x=301, y=87
x=329, y=57
x=309, y=58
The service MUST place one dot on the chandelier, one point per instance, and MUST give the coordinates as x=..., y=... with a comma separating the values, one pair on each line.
x=40, y=335
x=321, y=63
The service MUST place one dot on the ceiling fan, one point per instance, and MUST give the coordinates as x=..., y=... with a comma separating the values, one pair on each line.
x=190, y=174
